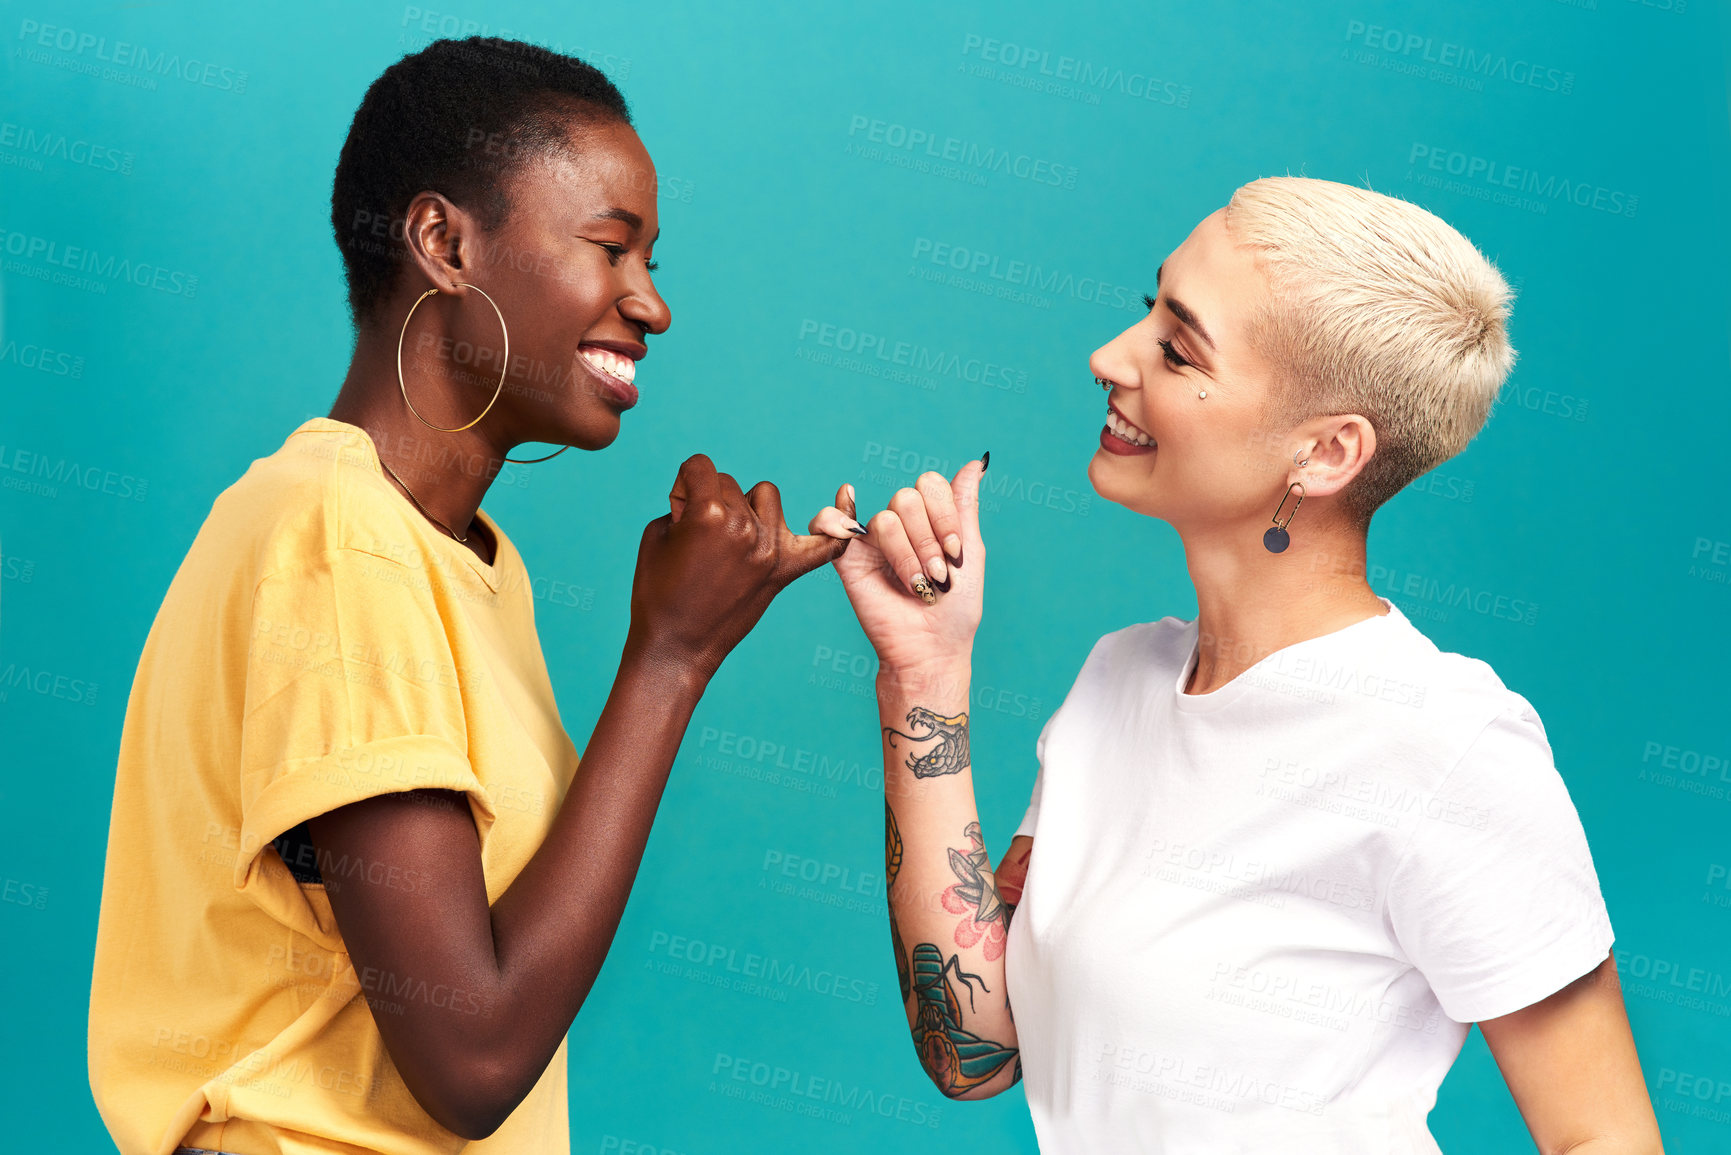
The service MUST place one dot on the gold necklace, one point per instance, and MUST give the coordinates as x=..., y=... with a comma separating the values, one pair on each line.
x=418, y=504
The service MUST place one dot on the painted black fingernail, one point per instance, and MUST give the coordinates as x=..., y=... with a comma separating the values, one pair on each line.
x=942, y=587
x=859, y=529
x=985, y=460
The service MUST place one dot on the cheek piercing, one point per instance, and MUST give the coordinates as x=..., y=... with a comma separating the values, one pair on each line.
x=1204, y=393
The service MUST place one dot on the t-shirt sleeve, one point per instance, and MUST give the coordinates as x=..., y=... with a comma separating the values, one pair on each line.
x=1097, y=664
x=1033, y=812
x=352, y=691
x=1495, y=899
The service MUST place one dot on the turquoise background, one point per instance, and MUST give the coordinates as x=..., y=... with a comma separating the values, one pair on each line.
x=1595, y=495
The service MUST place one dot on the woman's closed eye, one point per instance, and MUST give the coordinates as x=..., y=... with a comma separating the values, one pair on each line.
x=1173, y=357
x=616, y=252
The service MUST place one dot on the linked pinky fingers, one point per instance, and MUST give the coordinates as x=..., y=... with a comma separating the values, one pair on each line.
x=832, y=522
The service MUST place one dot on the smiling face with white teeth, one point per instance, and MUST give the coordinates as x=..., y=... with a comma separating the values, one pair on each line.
x=570, y=269
x=1164, y=450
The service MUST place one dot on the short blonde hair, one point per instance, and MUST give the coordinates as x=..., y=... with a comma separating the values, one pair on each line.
x=1377, y=307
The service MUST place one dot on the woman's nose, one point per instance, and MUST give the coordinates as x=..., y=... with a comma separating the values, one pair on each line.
x=645, y=308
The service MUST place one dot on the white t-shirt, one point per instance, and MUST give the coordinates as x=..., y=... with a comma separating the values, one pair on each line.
x=1260, y=919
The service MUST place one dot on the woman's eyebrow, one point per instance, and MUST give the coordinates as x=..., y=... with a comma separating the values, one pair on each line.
x=1182, y=311
x=616, y=214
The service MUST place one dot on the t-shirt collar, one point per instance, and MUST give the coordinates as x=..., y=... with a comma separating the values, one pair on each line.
x=493, y=574
x=1231, y=691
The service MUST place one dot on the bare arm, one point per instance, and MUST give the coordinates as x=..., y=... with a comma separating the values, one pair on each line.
x=916, y=582
x=1570, y=1063
x=948, y=918
x=525, y=965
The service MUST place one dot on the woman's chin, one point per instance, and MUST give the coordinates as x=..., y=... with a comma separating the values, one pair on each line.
x=592, y=438
x=542, y=442
x=1113, y=472
x=596, y=427
x=1110, y=476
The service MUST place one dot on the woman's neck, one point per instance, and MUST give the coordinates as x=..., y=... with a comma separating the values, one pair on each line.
x=447, y=474
x=1250, y=603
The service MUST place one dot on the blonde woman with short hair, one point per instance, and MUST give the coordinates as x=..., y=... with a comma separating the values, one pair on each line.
x=1279, y=857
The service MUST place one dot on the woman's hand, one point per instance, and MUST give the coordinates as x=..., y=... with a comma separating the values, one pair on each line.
x=917, y=578
x=708, y=570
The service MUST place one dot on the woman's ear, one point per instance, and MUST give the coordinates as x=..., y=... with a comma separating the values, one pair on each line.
x=436, y=233
x=1340, y=447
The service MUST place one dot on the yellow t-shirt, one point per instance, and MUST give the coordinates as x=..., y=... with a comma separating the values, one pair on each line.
x=321, y=643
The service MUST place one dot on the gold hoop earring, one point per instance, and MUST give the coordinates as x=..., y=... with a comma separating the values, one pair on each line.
x=502, y=367
x=533, y=460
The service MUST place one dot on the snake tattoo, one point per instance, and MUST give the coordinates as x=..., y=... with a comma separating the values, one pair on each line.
x=951, y=734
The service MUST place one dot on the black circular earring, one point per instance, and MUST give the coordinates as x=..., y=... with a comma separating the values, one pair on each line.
x=1276, y=539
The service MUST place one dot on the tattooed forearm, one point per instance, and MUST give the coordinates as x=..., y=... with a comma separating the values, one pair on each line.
x=952, y=996
x=956, y=1059
x=950, y=754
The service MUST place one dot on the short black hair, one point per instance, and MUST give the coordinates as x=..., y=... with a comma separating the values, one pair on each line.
x=459, y=117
